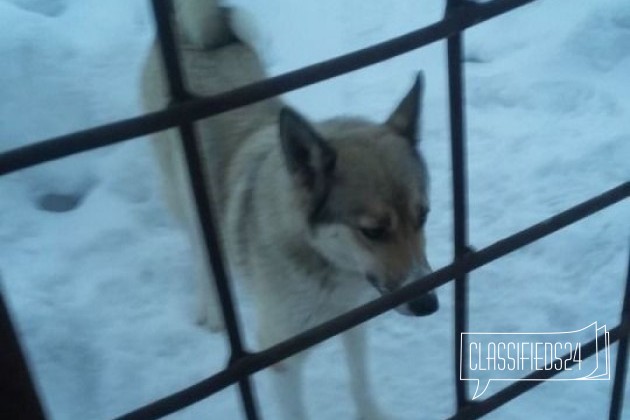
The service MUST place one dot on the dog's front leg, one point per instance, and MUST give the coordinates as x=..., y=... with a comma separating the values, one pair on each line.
x=354, y=344
x=288, y=384
x=180, y=199
x=286, y=376
x=208, y=305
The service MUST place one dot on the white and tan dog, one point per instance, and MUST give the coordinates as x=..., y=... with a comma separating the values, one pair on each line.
x=313, y=215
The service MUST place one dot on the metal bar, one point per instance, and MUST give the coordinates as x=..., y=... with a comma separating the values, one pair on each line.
x=18, y=396
x=475, y=410
x=195, y=109
x=460, y=214
x=202, y=193
x=261, y=360
x=187, y=110
x=214, y=252
x=162, y=10
x=616, y=401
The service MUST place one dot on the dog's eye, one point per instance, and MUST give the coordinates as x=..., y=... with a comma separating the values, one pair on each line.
x=377, y=233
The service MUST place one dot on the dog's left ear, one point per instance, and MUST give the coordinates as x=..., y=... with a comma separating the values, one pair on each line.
x=404, y=119
x=309, y=159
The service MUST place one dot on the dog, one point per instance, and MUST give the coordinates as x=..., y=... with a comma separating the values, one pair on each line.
x=314, y=215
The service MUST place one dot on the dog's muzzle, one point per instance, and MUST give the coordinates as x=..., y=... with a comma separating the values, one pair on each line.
x=423, y=305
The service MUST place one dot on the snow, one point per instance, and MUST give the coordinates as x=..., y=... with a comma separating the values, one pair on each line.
x=103, y=296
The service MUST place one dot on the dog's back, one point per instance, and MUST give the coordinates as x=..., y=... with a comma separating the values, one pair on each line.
x=214, y=60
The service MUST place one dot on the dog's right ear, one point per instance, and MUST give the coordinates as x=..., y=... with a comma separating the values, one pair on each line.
x=309, y=159
x=404, y=120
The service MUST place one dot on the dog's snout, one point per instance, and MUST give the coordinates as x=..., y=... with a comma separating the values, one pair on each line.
x=427, y=303
x=424, y=305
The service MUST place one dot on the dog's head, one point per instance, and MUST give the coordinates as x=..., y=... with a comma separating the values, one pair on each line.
x=365, y=190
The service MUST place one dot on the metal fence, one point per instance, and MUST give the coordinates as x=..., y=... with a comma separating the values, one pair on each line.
x=16, y=388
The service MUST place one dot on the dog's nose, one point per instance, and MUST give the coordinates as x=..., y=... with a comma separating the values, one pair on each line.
x=424, y=305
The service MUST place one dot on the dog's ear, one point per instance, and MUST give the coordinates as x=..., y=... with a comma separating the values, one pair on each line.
x=404, y=120
x=309, y=159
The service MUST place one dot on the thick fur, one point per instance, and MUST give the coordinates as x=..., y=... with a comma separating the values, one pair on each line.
x=311, y=214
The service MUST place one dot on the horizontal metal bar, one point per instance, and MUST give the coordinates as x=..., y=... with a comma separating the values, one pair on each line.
x=195, y=109
x=253, y=363
x=474, y=410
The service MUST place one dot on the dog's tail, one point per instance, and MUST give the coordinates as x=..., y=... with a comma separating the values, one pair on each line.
x=203, y=23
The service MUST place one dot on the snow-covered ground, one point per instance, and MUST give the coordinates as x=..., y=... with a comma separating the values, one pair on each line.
x=102, y=294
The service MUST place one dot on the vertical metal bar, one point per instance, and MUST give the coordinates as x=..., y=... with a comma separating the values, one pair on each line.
x=458, y=159
x=201, y=191
x=18, y=397
x=222, y=284
x=616, y=401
